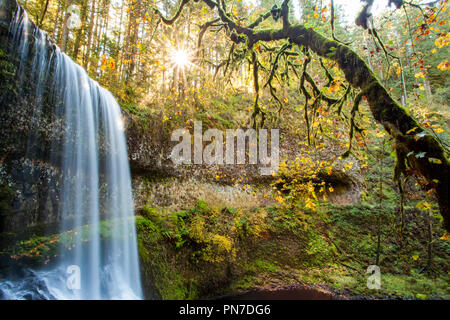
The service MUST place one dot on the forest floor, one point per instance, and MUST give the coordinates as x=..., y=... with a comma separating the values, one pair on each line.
x=208, y=251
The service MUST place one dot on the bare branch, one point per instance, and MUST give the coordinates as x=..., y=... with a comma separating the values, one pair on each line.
x=170, y=21
x=203, y=29
x=285, y=14
x=332, y=25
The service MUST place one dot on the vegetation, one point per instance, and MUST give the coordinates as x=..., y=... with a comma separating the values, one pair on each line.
x=364, y=101
x=37, y=249
x=209, y=251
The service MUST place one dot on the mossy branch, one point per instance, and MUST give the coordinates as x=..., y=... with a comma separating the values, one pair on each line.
x=203, y=29
x=170, y=21
x=395, y=119
x=257, y=109
x=332, y=24
x=273, y=70
x=327, y=73
x=306, y=94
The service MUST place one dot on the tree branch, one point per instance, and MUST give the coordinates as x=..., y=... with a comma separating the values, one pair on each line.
x=170, y=21
x=384, y=108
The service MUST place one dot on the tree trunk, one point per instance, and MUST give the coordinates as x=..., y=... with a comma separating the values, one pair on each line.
x=63, y=40
x=380, y=209
x=89, y=43
x=430, y=242
x=55, y=26
x=80, y=32
x=39, y=22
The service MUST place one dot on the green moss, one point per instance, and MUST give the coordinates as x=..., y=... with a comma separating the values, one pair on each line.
x=204, y=250
x=158, y=259
x=419, y=286
x=7, y=71
x=208, y=251
x=143, y=254
x=201, y=207
x=266, y=266
x=6, y=196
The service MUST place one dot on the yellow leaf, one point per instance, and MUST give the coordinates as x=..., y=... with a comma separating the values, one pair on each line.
x=442, y=41
x=435, y=160
x=412, y=130
x=446, y=237
x=420, y=75
x=444, y=65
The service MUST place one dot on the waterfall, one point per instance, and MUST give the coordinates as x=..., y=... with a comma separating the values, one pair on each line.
x=95, y=186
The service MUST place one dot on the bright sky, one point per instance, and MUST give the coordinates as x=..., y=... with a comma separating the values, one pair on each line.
x=351, y=8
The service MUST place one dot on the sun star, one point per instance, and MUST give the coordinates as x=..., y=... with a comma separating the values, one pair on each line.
x=180, y=58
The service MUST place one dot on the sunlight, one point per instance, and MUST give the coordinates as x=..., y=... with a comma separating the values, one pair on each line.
x=180, y=58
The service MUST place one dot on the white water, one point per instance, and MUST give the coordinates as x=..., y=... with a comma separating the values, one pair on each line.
x=96, y=182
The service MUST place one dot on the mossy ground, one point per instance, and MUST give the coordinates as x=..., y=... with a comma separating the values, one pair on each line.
x=209, y=251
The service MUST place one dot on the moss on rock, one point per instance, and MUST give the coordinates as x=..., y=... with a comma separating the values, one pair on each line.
x=209, y=251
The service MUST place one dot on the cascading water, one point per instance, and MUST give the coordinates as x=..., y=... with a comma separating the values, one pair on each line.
x=96, y=196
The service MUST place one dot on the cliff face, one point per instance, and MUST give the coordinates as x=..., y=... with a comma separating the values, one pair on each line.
x=29, y=127
x=158, y=182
